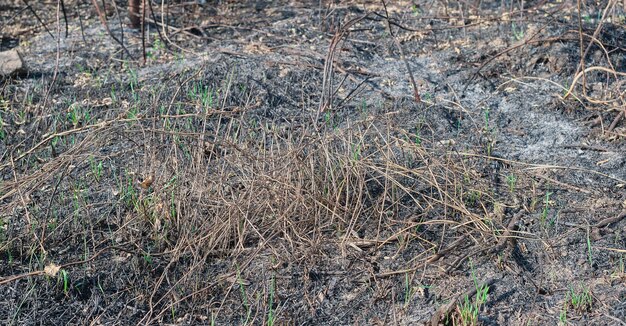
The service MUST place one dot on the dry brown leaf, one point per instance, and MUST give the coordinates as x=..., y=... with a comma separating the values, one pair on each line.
x=257, y=48
x=238, y=280
x=52, y=269
x=147, y=182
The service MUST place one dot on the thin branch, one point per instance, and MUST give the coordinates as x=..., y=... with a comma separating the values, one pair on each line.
x=143, y=30
x=38, y=19
x=106, y=26
x=65, y=18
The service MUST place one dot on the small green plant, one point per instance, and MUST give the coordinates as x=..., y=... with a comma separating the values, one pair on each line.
x=127, y=190
x=511, y=180
x=363, y=107
x=52, y=224
x=157, y=46
x=486, y=120
x=589, y=251
x=73, y=116
x=77, y=199
x=133, y=79
x=66, y=281
x=328, y=119
x=113, y=94
x=468, y=313
x=418, y=133
x=3, y=228
x=271, y=317
x=77, y=114
x=356, y=152
x=173, y=209
x=415, y=10
x=133, y=83
x=147, y=258
x=468, y=310
x=518, y=33
x=206, y=99
x=81, y=68
x=96, y=168
x=2, y=132
x=132, y=112
x=87, y=116
x=409, y=291
x=580, y=300
x=55, y=141
x=21, y=117
x=244, y=296
x=472, y=197
x=546, y=208
x=563, y=316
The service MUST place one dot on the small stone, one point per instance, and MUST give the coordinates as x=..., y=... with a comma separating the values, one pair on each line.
x=10, y=63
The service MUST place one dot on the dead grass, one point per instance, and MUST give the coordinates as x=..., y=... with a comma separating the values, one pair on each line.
x=170, y=194
x=237, y=188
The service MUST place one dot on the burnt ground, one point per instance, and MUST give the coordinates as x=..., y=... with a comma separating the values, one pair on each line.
x=268, y=163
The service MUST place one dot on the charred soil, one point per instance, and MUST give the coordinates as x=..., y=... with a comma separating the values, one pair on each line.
x=314, y=163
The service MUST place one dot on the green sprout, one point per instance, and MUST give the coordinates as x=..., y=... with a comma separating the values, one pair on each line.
x=546, y=208
x=581, y=300
x=66, y=281
x=271, y=317
x=518, y=33
x=96, y=168
x=468, y=310
x=511, y=180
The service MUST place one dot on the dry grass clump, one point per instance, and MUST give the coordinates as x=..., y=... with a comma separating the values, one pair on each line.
x=290, y=188
x=258, y=184
x=164, y=195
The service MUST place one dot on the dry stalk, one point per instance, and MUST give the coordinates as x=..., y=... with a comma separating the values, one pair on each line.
x=327, y=89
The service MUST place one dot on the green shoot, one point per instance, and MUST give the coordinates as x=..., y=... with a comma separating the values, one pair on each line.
x=96, y=168
x=147, y=258
x=518, y=33
x=580, y=301
x=408, y=290
x=2, y=132
x=468, y=310
x=589, y=252
x=244, y=297
x=511, y=180
x=66, y=281
x=563, y=316
x=270, y=316
x=546, y=208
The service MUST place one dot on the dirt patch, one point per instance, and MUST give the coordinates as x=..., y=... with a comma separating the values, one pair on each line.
x=269, y=163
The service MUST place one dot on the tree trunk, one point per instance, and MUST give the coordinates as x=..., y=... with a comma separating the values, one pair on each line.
x=134, y=13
